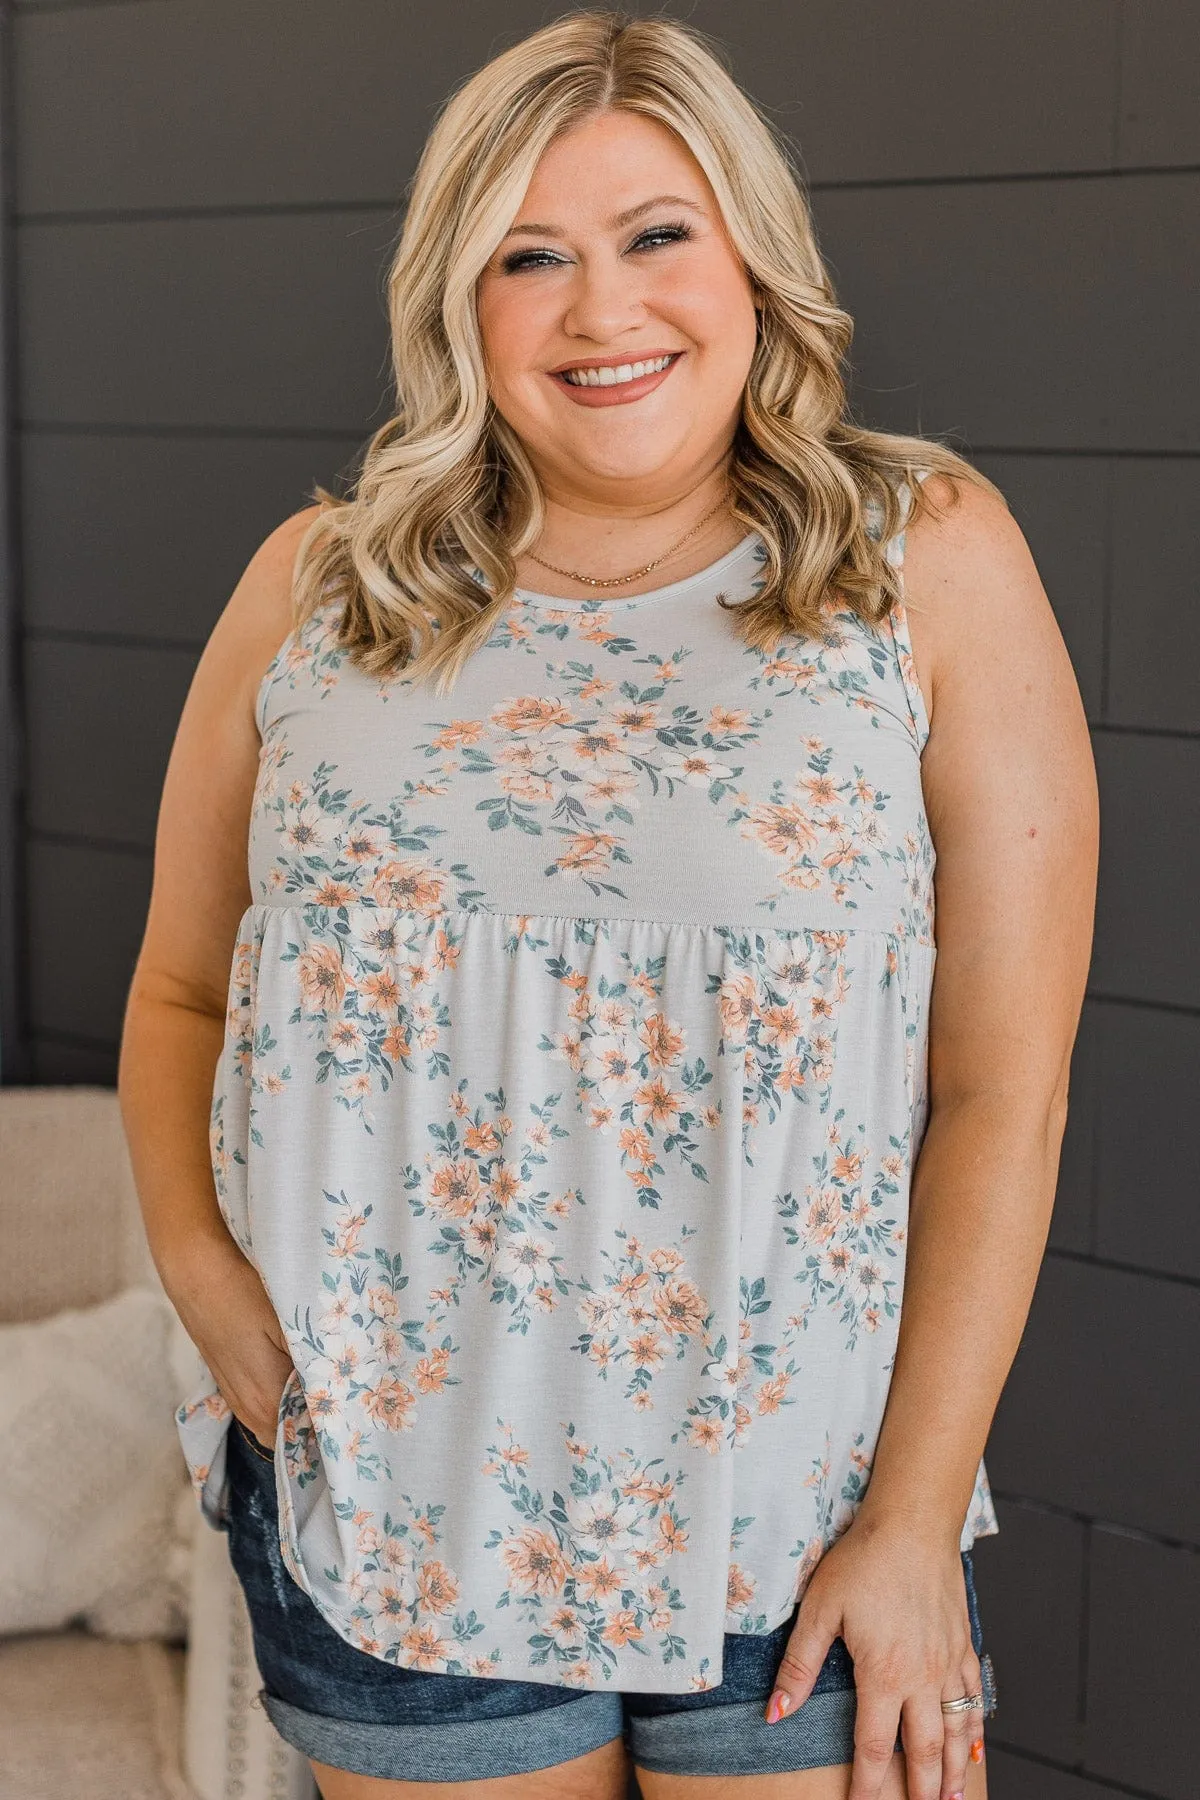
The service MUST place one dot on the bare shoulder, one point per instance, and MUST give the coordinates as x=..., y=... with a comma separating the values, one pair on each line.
x=259, y=613
x=1009, y=749
x=969, y=577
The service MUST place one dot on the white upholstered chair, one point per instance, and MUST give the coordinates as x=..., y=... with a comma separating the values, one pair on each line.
x=81, y=1714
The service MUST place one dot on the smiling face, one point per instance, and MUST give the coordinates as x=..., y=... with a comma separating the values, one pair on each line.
x=617, y=318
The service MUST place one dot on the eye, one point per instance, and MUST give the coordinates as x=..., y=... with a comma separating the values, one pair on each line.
x=654, y=238
x=657, y=235
x=528, y=259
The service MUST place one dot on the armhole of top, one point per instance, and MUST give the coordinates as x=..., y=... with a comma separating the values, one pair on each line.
x=898, y=620
x=267, y=683
x=275, y=667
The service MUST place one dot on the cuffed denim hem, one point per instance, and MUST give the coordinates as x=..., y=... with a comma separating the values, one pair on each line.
x=736, y=1739
x=459, y=1750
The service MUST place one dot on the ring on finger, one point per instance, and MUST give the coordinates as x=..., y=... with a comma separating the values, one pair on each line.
x=965, y=1703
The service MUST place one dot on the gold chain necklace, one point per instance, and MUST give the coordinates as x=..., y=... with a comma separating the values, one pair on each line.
x=622, y=580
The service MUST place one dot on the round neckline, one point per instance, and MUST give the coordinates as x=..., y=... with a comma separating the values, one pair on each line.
x=530, y=597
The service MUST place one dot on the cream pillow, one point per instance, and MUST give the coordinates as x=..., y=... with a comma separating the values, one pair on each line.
x=96, y=1514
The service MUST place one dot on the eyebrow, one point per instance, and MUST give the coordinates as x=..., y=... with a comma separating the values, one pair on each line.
x=618, y=224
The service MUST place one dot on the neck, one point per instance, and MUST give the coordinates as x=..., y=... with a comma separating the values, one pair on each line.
x=604, y=541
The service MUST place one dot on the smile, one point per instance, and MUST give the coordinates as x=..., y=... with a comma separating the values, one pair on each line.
x=607, y=377
x=612, y=384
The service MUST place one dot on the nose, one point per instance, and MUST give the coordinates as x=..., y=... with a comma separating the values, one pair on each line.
x=605, y=300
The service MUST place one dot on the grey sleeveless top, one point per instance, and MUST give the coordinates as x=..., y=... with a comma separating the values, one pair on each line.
x=574, y=1074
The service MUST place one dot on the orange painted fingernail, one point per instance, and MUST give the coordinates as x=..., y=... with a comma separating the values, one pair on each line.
x=780, y=1701
x=977, y=1750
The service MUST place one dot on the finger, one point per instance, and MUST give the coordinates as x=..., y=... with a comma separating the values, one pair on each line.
x=875, y=1726
x=800, y=1664
x=961, y=1728
x=923, y=1733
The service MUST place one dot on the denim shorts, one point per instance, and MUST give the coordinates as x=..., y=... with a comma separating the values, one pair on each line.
x=348, y=1709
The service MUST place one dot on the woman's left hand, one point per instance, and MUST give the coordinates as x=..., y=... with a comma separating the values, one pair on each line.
x=898, y=1599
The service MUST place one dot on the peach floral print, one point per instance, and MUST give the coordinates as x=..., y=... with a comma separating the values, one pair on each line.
x=634, y=1080
x=575, y=766
x=847, y=1230
x=402, y=1602
x=589, y=1571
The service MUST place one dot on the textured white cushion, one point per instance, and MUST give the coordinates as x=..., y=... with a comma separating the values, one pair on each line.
x=96, y=1514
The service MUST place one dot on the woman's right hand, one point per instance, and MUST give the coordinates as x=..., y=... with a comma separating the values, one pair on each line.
x=227, y=1313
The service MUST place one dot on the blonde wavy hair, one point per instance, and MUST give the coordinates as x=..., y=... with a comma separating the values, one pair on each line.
x=445, y=487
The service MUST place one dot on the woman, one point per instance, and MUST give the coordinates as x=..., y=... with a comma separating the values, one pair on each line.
x=582, y=1029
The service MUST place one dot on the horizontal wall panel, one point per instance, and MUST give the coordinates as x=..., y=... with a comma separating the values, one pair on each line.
x=253, y=321
x=1153, y=373
x=149, y=535
x=306, y=111
x=1015, y=1777
x=1145, y=944
x=284, y=103
x=60, y=1064
x=969, y=318
x=922, y=88
x=1145, y=1600
x=972, y=318
x=1149, y=1079
x=1154, y=646
x=92, y=771
x=88, y=908
x=1061, y=504
x=1160, y=55
x=1031, y=1585
x=1101, y=1415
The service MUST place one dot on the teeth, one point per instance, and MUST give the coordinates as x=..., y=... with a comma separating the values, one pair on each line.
x=615, y=377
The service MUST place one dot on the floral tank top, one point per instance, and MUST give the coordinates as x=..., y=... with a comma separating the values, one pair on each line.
x=573, y=1079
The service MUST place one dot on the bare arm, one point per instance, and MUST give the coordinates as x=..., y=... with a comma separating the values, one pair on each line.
x=1011, y=796
x=175, y=1010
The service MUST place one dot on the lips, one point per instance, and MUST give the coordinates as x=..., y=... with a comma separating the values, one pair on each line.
x=613, y=374
x=611, y=362
x=613, y=382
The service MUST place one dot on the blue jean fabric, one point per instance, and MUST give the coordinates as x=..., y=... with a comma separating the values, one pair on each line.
x=354, y=1711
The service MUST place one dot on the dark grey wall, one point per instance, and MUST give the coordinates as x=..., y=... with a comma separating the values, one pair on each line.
x=205, y=198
